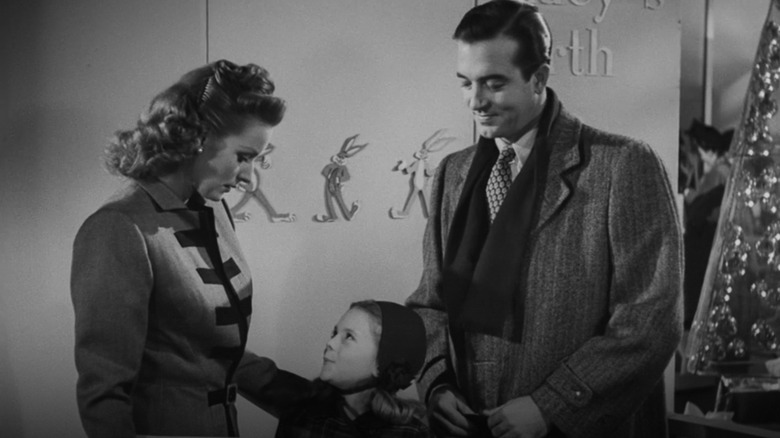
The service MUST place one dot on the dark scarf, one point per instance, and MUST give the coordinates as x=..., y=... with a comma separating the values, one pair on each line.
x=482, y=271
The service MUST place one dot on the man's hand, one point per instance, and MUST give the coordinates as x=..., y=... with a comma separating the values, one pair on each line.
x=447, y=410
x=517, y=418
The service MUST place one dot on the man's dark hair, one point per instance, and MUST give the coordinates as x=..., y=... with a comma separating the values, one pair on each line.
x=517, y=20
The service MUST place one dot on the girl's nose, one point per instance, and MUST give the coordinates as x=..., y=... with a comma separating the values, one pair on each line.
x=332, y=342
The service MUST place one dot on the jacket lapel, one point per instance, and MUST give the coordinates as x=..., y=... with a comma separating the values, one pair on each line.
x=162, y=196
x=565, y=155
x=461, y=166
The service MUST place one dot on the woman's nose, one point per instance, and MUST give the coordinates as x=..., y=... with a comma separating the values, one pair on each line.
x=245, y=173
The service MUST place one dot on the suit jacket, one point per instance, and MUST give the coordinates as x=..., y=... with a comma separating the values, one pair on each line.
x=602, y=278
x=160, y=326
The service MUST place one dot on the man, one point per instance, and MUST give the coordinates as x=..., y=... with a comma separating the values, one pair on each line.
x=555, y=312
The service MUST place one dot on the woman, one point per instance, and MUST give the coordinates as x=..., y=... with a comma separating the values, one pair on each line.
x=376, y=349
x=702, y=208
x=161, y=292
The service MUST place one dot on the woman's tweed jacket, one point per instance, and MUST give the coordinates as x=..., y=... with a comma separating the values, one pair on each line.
x=603, y=278
x=160, y=333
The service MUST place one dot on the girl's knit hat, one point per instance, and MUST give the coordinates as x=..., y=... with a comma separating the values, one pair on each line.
x=402, y=346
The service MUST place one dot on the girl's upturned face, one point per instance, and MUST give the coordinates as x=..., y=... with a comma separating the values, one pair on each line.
x=350, y=355
x=228, y=161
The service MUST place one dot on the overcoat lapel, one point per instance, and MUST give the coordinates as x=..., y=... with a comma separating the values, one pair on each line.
x=565, y=156
x=461, y=175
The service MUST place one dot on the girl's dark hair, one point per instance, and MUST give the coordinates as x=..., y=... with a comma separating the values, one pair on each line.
x=517, y=20
x=217, y=99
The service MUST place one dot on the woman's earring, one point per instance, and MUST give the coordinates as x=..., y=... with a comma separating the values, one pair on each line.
x=198, y=151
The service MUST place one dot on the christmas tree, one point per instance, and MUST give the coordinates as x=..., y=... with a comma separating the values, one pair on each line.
x=737, y=321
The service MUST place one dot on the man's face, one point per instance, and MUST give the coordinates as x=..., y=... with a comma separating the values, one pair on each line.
x=502, y=102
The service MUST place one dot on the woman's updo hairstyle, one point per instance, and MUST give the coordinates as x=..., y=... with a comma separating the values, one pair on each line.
x=217, y=99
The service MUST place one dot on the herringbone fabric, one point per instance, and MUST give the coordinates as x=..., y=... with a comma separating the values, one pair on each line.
x=602, y=290
x=499, y=181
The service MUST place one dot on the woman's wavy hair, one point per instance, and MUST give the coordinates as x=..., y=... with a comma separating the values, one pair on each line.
x=217, y=99
x=384, y=403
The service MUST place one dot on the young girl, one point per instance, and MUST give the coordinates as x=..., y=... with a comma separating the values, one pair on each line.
x=376, y=349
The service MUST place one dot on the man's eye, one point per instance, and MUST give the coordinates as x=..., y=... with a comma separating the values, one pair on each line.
x=494, y=85
x=465, y=85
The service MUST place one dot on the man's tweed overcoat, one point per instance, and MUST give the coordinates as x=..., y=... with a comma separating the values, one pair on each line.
x=602, y=280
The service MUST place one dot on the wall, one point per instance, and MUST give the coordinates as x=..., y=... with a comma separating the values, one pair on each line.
x=390, y=76
x=736, y=26
x=692, y=16
x=639, y=95
x=384, y=74
x=73, y=72
x=383, y=70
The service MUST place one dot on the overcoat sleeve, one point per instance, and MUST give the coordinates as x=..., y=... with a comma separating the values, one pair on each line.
x=608, y=378
x=111, y=283
x=426, y=300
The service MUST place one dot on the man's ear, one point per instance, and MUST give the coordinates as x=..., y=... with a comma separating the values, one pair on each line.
x=540, y=78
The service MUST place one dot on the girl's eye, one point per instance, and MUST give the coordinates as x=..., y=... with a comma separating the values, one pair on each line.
x=350, y=337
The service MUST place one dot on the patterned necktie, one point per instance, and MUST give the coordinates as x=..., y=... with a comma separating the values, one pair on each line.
x=499, y=181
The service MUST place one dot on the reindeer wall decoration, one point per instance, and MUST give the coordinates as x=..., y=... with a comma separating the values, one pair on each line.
x=255, y=192
x=336, y=175
x=420, y=171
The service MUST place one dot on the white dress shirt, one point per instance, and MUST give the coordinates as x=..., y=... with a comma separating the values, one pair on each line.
x=522, y=149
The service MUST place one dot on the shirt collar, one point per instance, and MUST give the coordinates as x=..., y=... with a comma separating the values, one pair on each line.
x=522, y=146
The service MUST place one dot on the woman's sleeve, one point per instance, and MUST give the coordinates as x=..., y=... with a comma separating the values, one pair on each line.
x=269, y=388
x=111, y=283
